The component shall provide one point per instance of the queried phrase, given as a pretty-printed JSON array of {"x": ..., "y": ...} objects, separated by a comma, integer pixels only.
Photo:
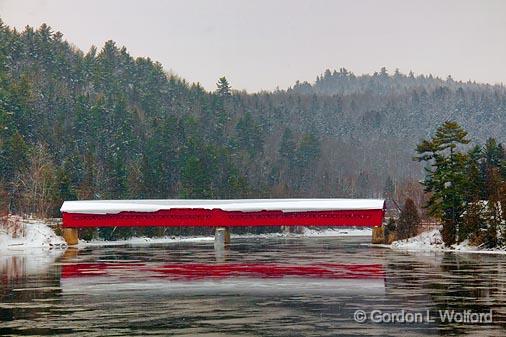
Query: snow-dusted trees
[
  {"x": 116, "y": 126},
  {"x": 466, "y": 189}
]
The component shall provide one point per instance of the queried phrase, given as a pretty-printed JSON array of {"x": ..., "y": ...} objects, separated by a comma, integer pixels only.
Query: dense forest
[{"x": 102, "y": 124}]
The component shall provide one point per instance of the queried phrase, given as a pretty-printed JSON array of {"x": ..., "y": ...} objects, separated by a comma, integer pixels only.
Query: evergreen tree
[
  {"x": 493, "y": 160},
  {"x": 472, "y": 219},
  {"x": 221, "y": 115},
  {"x": 249, "y": 135},
  {"x": 287, "y": 146},
  {"x": 390, "y": 231},
  {"x": 198, "y": 170},
  {"x": 493, "y": 211},
  {"x": 445, "y": 178},
  {"x": 409, "y": 221},
  {"x": 284, "y": 171},
  {"x": 473, "y": 223},
  {"x": 306, "y": 157},
  {"x": 493, "y": 153},
  {"x": 389, "y": 189},
  {"x": 87, "y": 187},
  {"x": 17, "y": 156},
  {"x": 475, "y": 190},
  {"x": 223, "y": 89}
]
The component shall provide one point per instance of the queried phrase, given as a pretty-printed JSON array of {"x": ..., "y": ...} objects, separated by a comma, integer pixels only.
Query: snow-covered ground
[
  {"x": 34, "y": 235},
  {"x": 312, "y": 232},
  {"x": 145, "y": 241},
  {"x": 426, "y": 241},
  {"x": 432, "y": 241}
]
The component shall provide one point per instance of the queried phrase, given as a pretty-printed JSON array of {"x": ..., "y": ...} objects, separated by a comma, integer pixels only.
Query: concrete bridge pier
[{"x": 221, "y": 237}]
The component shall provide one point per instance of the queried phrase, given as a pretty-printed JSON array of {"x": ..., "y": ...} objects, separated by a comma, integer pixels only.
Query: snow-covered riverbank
[
  {"x": 30, "y": 234},
  {"x": 135, "y": 241},
  {"x": 432, "y": 241},
  {"x": 353, "y": 231}
]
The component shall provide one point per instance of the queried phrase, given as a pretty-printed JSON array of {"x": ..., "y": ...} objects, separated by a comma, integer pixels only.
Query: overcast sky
[{"x": 264, "y": 44}]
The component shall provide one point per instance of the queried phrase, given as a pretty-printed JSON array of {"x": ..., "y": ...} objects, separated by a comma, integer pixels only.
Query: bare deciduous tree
[{"x": 38, "y": 184}]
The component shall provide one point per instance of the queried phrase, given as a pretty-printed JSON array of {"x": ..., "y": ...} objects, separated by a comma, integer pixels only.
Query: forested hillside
[{"x": 103, "y": 124}]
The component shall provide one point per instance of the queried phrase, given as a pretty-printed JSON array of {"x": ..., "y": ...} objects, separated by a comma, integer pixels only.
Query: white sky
[{"x": 263, "y": 44}]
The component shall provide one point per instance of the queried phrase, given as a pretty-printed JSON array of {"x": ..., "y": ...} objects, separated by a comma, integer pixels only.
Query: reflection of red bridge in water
[
  {"x": 223, "y": 278},
  {"x": 200, "y": 271}
]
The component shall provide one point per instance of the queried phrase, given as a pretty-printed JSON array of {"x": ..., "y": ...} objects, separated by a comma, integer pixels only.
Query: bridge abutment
[
  {"x": 71, "y": 236},
  {"x": 378, "y": 234}
]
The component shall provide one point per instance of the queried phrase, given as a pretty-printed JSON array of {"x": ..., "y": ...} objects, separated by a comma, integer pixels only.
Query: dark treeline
[{"x": 103, "y": 124}]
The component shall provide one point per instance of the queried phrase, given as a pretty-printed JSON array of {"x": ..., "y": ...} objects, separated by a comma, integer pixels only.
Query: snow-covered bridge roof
[{"x": 244, "y": 205}]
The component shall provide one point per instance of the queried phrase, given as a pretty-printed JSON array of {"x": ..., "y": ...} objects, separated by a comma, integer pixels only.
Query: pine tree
[
  {"x": 473, "y": 223},
  {"x": 493, "y": 212},
  {"x": 306, "y": 157},
  {"x": 475, "y": 189},
  {"x": 223, "y": 89},
  {"x": 493, "y": 153},
  {"x": 445, "y": 177},
  {"x": 87, "y": 187},
  {"x": 221, "y": 113},
  {"x": 389, "y": 189},
  {"x": 249, "y": 135},
  {"x": 287, "y": 147}
]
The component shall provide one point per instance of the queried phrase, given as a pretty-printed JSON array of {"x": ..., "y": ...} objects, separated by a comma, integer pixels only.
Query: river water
[{"x": 256, "y": 287}]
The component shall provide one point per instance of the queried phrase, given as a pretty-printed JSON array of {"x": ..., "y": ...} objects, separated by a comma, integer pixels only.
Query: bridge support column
[
  {"x": 71, "y": 236},
  {"x": 221, "y": 236}
]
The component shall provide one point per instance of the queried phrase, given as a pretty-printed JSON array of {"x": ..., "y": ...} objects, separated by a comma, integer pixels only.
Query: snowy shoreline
[
  {"x": 32, "y": 234},
  {"x": 431, "y": 241},
  {"x": 27, "y": 234}
]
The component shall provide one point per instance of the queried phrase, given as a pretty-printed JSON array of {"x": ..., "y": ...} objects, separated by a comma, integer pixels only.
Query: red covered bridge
[{"x": 220, "y": 213}]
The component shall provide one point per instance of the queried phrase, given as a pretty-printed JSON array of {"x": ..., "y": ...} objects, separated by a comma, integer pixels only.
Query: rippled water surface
[{"x": 257, "y": 287}]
